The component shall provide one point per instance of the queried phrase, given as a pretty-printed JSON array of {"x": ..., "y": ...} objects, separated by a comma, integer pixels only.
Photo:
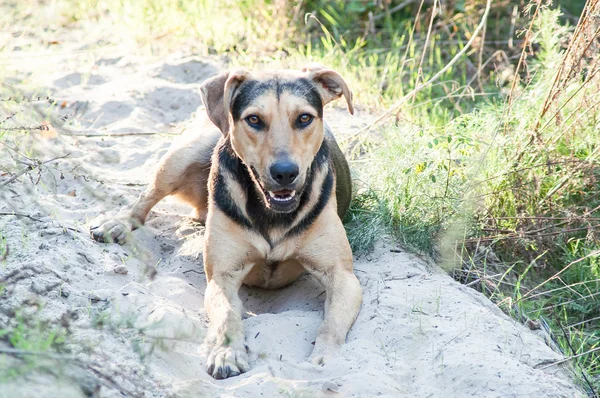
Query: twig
[
  {"x": 549, "y": 97},
  {"x": 20, "y": 215},
  {"x": 589, "y": 78},
  {"x": 40, "y": 127},
  {"x": 193, "y": 270},
  {"x": 482, "y": 279},
  {"x": 39, "y": 220},
  {"x": 31, "y": 168},
  {"x": 27, "y": 99},
  {"x": 80, "y": 134},
  {"x": 480, "y": 58},
  {"x": 541, "y": 218},
  {"x": 8, "y": 117},
  {"x": 530, "y": 234},
  {"x": 553, "y": 306}
]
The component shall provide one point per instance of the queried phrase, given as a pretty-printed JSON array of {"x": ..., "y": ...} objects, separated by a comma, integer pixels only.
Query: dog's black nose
[{"x": 284, "y": 172}]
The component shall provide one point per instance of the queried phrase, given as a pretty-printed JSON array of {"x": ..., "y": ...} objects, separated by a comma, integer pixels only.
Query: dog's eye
[
  {"x": 304, "y": 120},
  {"x": 253, "y": 121}
]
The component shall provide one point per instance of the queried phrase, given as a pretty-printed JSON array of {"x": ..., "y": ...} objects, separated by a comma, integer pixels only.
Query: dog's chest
[{"x": 276, "y": 248}]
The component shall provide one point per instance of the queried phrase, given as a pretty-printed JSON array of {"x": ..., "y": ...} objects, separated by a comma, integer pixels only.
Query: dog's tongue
[
  {"x": 283, "y": 192},
  {"x": 283, "y": 195}
]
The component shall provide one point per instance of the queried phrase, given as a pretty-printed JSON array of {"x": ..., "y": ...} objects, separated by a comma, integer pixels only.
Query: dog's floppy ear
[
  {"x": 331, "y": 85},
  {"x": 217, "y": 93}
]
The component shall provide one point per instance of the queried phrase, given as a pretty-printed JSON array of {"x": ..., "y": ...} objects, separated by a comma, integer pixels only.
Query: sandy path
[{"x": 419, "y": 333}]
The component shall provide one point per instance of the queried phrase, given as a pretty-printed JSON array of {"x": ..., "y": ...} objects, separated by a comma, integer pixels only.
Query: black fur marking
[
  {"x": 246, "y": 93},
  {"x": 250, "y": 90},
  {"x": 221, "y": 194},
  {"x": 303, "y": 88},
  {"x": 317, "y": 209},
  {"x": 260, "y": 218}
]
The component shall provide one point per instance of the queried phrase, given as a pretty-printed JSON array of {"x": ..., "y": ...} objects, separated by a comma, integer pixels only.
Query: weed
[{"x": 28, "y": 333}]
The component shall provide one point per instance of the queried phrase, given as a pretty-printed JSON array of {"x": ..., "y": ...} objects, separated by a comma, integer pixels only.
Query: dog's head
[{"x": 275, "y": 123}]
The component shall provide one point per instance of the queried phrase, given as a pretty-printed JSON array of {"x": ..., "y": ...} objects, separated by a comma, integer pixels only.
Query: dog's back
[{"x": 343, "y": 179}]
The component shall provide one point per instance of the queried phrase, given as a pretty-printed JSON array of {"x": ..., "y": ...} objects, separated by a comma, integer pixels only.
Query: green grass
[
  {"x": 516, "y": 182},
  {"x": 28, "y": 334}
]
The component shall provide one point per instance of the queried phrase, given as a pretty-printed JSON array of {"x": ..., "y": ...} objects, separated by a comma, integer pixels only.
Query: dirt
[{"x": 135, "y": 312}]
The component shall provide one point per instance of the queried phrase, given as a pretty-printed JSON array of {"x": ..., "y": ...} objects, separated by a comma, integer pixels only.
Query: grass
[
  {"x": 28, "y": 333},
  {"x": 493, "y": 169},
  {"x": 506, "y": 196}
]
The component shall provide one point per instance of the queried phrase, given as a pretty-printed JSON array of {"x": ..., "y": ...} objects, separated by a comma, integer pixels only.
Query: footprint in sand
[
  {"x": 75, "y": 79},
  {"x": 191, "y": 72},
  {"x": 175, "y": 103}
]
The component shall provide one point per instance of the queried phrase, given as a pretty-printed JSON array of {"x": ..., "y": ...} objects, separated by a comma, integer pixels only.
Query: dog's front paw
[
  {"x": 227, "y": 361},
  {"x": 320, "y": 359},
  {"x": 111, "y": 229},
  {"x": 321, "y": 355}
]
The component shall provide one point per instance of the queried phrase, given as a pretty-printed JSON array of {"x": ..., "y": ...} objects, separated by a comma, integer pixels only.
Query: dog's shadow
[{"x": 305, "y": 294}]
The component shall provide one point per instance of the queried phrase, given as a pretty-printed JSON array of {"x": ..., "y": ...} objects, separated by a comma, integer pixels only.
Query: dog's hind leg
[{"x": 182, "y": 171}]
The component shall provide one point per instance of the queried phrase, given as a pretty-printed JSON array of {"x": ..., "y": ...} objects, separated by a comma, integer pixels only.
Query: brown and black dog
[{"x": 272, "y": 187}]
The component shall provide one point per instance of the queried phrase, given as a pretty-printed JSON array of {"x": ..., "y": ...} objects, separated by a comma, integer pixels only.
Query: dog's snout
[{"x": 284, "y": 172}]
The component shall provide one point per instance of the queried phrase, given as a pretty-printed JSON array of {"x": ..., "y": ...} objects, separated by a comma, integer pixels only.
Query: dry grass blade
[
  {"x": 526, "y": 43},
  {"x": 570, "y": 358},
  {"x": 584, "y": 322},
  {"x": 427, "y": 38},
  {"x": 556, "y": 275},
  {"x": 559, "y": 78}
]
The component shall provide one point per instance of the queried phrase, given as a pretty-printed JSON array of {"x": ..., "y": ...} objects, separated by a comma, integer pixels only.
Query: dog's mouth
[
  {"x": 278, "y": 200},
  {"x": 282, "y": 200},
  {"x": 282, "y": 196}
]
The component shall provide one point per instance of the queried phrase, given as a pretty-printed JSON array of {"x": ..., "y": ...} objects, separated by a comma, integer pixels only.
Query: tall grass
[{"x": 507, "y": 195}]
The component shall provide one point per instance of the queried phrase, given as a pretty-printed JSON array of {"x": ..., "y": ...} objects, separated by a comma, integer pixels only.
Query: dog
[{"x": 272, "y": 186}]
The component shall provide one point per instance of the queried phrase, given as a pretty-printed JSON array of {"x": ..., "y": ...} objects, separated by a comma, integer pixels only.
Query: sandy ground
[{"x": 419, "y": 333}]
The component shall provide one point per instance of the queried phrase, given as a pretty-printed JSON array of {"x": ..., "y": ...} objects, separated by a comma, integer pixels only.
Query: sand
[{"x": 419, "y": 333}]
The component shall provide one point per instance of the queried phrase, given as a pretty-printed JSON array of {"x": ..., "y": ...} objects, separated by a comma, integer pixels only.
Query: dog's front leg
[
  {"x": 227, "y": 263},
  {"x": 327, "y": 256},
  {"x": 225, "y": 341},
  {"x": 344, "y": 297}
]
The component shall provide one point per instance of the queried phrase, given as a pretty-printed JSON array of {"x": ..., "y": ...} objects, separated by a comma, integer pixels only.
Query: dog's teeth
[{"x": 280, "y": 198}]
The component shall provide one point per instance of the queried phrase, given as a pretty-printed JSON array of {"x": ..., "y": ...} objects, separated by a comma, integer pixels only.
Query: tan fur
[
  {"x": 261, "y": 150},
  {"x": 234, "y": 254}
]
